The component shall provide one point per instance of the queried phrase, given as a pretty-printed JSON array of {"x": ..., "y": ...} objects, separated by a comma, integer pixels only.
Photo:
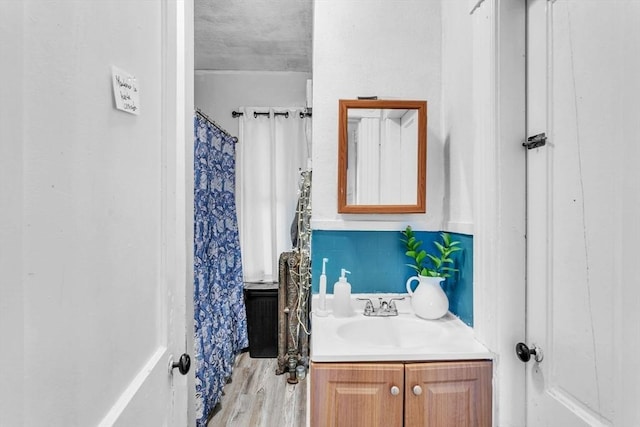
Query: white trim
[
  {"x": 177, "y": 223},
  {"x": 367, "y": 225},
  {"x": 186, "y": 86},
  {"x": 381, "y": 223},
  {"x": 13, "y": 258},
  {"x": 133, "y": 389},
  {"x": 459, "y": 227},
  {"x": 387, "y": 225},
  {"x": 499, "y": 193}
]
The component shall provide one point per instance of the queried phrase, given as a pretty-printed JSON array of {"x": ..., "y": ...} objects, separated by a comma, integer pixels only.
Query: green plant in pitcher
[{"x": 430, "y": 265}]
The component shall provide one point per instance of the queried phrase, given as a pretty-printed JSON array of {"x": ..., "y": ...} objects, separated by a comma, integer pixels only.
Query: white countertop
[{"x": 405, "y": 337}]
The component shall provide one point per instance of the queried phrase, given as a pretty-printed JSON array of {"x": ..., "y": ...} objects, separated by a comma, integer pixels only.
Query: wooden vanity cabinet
[
  {"x": 428, "y": 394},
  {"x": 357, "y": 394},
  {"x": 448, "y": 394}
]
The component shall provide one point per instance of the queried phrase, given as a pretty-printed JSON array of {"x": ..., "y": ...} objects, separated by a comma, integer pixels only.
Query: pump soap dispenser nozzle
[
  {"x": 322, "y": 297},
  {"x": 342, "y": 296}
]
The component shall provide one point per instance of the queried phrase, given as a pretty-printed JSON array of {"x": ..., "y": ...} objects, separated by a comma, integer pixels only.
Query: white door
[
  {"x": 583, "y": 213},
  {"x": 93, "y": 219},
  {"x": 157, "y": 392}
]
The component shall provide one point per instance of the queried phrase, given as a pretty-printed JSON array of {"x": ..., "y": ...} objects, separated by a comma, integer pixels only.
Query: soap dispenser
[
  {"x": 322, "y": 296},
  {"x": 342, "y": 296}
]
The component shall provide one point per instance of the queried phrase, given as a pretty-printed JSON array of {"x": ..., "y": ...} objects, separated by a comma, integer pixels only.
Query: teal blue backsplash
[{"x": 377, "y": 263}]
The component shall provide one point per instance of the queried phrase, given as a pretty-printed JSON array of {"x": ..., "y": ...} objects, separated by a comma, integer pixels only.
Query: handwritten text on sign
[{"x": 125, "y": 91}]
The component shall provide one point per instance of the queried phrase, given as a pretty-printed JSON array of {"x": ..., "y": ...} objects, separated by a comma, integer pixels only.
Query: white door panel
[
  {"x": 576, "y": 51},
  {"x": 95, "y": 202}
]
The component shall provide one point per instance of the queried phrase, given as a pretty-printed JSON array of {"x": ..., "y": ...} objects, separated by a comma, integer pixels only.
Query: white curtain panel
[
  {"x": 272, "y": 151},
  {"x": 368, "y": 163}
]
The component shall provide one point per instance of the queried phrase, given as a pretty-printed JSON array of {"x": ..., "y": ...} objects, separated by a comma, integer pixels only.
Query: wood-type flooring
[{"x": 257, "y": 397}]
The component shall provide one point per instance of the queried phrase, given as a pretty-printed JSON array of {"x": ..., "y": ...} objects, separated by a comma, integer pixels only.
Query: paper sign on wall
[{"x": 125, "y": 91}]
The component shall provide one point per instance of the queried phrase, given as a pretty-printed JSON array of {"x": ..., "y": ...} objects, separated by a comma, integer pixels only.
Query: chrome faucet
[{"x": 384, "y": 309}]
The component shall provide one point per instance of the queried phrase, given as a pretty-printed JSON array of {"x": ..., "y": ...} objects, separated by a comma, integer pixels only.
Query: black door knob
[
  {"x": 183, "y": 364},
  {"x": 524, "y": 353}
]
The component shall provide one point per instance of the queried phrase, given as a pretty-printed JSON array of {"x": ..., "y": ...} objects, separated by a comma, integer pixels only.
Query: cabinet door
[
  {"x": 448, "y": 394},
  {"x": 356, "y": 394}
]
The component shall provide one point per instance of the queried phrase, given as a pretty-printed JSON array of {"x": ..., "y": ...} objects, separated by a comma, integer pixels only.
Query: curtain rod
[
  {"x": 217, "y": 126},
  {"x": 303, "y": 114}
]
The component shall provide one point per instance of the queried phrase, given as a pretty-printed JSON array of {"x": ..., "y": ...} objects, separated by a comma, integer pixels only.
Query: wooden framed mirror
[{"x": 382, "y": 156}]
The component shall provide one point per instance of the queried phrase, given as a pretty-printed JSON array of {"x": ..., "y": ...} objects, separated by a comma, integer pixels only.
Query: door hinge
[{"x": 535, "y": 141}]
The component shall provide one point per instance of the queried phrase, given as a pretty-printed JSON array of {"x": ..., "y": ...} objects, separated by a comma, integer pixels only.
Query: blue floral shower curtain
[{"x": 219, "y": 310}]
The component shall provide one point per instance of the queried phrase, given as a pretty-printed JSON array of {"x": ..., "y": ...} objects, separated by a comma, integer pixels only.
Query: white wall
[
  {"x": 381, "y": 49},
  {"x": 218, "y": 93},
  {"x": 82, "y": 175},
  {"x": 459, "y": 137}
]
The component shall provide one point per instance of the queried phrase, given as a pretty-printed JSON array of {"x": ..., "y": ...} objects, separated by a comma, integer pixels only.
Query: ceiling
[{"x": 253, "y": 35}]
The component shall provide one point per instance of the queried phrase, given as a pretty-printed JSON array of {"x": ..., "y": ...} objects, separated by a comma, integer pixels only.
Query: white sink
[
  {"x": 398, "y": 332},
  {"x": 405, "y": 337}
]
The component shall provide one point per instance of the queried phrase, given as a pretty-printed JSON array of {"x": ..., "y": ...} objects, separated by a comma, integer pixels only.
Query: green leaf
[
  {"x": 417, "y": 269},
  {"x": 436, "y": 261},
  {"x": 408, "y": 231},
  {"x": 420, "y": 257},
  {"x": 426, "y": 272},
  {"x": 440, "y": 247}
]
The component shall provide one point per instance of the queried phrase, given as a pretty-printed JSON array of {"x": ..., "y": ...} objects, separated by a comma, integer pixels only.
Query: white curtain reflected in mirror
[{"x": 382, "y": 147}]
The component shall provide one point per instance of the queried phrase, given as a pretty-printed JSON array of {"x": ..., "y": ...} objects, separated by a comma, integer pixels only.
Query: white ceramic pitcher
[{"x": 428, "y": 300}]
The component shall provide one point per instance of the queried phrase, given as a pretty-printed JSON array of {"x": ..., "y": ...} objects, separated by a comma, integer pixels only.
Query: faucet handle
[
  {"x": 368, "y": 308},
  {"x": 392, "y": 303}
]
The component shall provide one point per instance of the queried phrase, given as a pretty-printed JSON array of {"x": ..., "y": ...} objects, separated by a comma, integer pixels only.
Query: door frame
[
  {"x": 178, "y": 115},
  {"x": 11, "y": 219},
  {"x": 177, "y": 134},
  {"x": 499, "y": 100}
]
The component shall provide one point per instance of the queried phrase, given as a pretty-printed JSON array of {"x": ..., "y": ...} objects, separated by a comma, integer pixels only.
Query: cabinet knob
[
  {"x": 395, "y": 390},
  {"x": 417, "y": 390}
]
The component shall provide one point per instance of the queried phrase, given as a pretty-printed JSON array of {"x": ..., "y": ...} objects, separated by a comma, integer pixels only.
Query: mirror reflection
[
  {"x": 382, "y": 161},
  {"x": 381, "y": 151}
]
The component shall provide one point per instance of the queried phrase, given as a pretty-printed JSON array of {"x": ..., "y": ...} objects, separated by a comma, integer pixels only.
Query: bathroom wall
[
  {"x": 423, "y": 51},
  {"x": 381, "y": 49},
  {"x": 218, "y": 93},
  {"x": 457, "y": 116},
  {"x": 377, "y": 264}
]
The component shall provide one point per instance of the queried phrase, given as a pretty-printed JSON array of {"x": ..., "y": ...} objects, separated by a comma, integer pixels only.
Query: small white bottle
[
  {"x": 322, "y": 296},
  {"x": 342, "y": 296}
]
